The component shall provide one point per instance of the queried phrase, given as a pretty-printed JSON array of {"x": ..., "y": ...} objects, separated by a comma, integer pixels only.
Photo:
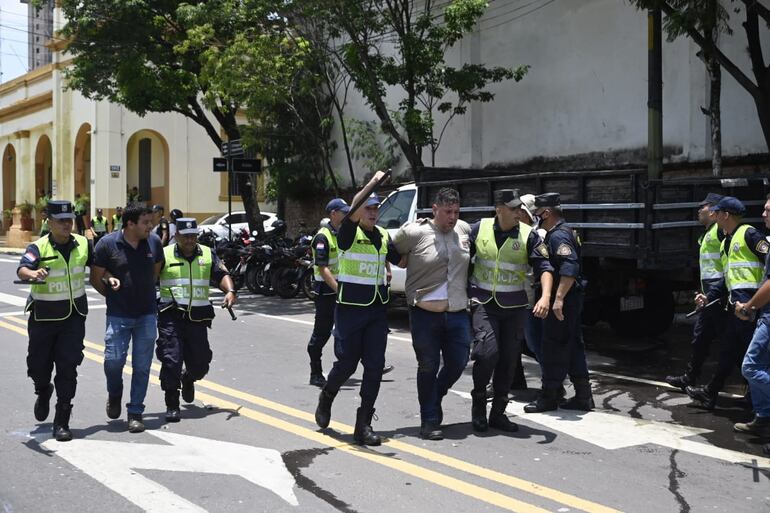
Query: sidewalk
[{"x": 9, "y": 251}]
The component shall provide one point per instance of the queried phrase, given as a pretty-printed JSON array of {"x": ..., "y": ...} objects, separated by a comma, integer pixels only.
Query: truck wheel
[{"x": 652, "y": 320}]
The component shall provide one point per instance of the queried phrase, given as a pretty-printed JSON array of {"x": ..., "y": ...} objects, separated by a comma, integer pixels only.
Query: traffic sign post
[{"x": 233, "y": 161}]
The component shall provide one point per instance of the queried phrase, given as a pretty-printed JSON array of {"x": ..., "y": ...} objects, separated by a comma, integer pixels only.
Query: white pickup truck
[{"x": 398, "y": 208}]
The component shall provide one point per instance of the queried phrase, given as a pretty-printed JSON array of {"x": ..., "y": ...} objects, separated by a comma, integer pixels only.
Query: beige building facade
[{"x": 55, "y": 142}]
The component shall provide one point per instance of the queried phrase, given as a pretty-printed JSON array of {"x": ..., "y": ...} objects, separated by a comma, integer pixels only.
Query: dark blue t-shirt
[{"x": 135, "y": 270}]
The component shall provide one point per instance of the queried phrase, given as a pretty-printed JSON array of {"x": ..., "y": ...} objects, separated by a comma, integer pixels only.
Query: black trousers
[
  {"x": 58, "y": 343},
  {"x": 322, "y": 326},
  {"x": 360, "y": 335},
  {"x": 563, "y": 352},
  {"x": 709, "y": 325},
  {"x": 735, "y": 341},
  {"x": 498, "y": 334},
  {"x": 181, "y": 342}
]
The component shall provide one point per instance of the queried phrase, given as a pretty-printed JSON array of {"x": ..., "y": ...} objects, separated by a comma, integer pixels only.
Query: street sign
[
  {"x": 220, "y": 165},
  {"x": 115, "y": 465},
  {"x": 232, "y": 148},
  {"x": 247, "y": 166}
]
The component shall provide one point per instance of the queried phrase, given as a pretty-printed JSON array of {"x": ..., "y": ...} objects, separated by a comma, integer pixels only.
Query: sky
[{"x": 13, "y": 39}]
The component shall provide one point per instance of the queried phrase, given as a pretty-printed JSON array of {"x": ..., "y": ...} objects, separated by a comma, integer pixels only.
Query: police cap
[
  {"x": 373, "y": 200},
  {"x": 60, "y": 209},
  {"x": 730, "y": 205},
  {"x": 186, "y": 226},
  {"x": 549, "y": 199},
  {"x": 711, "y": 198},
  {"x": 338, "y": 204},
  {"x": 508, "y": 197}
]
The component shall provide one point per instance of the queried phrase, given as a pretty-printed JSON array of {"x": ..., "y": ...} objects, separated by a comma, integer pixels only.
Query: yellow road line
[{"x": 455, "y": 463}]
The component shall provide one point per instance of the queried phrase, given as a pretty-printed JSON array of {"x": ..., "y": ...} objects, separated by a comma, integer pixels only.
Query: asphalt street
[{"x": 249, "y": 443}]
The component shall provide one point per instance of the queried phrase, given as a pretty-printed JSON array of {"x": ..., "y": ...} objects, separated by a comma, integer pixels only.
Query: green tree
[
  {"x": 702, "y": 21},
  {"x": 402, "y": 44},
  {"x": 202, "y": 59}
]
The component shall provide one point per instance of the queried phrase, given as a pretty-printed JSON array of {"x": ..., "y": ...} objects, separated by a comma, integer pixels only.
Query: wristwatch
[{"x": 233, "y": 291}]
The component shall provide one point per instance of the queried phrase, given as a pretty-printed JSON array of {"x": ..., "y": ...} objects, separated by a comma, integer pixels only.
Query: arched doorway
[
  {"x": 43, "y": 167},
  {"x": 83, "y": 160},
  {"x": 147, "y": 159}
]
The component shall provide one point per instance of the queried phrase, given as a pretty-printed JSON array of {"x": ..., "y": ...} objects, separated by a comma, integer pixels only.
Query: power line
[{"x": 547, "y": 3}]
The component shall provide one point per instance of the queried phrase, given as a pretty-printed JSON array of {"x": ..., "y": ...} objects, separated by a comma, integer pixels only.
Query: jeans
[
  {"x": 141, "y": 331},
  {"x": 756, "y": 369},
  {"x": 437, "y": 335}
]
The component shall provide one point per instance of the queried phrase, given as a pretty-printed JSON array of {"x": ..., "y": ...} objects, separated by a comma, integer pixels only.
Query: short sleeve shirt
[{"x": 135, "y": 270}]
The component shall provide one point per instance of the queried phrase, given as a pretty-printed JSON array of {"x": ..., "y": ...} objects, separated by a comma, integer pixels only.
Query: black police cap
[
  {"x": 549, "y": 199},
  {"x": 60, "y": 209},
  {"x": 711, "y": 198}
]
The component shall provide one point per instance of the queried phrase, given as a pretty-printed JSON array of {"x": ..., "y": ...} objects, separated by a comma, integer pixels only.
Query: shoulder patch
[
  {"x": 543, "y": 250},
  {"x": 763, "y": 246},
  {"x": 564, "y": 249}
]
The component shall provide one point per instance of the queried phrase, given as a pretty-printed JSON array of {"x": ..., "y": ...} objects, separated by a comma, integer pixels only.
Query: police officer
[
  {"x": 174, "y": 214},
  {"x": 503, "y": 249},
  {"x": 709, "y": 321},
  {"x": 160, "y": 223},
  {"x": 185, "y": 313},
  {"x": 562, "y": 350},
  {"x": 44, "y": 229},
  {"x": 58, "y": 310},
  {"x": 361, "y": 324},
  {"x": 325, "y": 271},
  {"x": 117, "y": 219},
  {"x": 98, "y": 226},
  {"x": 743, "y": 252}
]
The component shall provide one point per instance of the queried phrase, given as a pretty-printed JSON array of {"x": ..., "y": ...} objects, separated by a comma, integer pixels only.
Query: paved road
[{"x": 248, "y": 443}]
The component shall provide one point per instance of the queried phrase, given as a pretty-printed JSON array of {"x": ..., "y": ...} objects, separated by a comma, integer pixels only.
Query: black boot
[
  {"x": 680, "y": 382},
  {"x": 43, "y": 402},
  {"x": 173, "y": 413},
  {"x": 61, "y": 423},
  {"x": 188, "y": 388},
  {"x": 497, "y": 417},
  {"x": 479, "y": 410},
  {"x": 548, "y": 401},
  {"x": 583, "y": 399},
  {"x": 363, "y": 433},
  {"x": 323, "y": 412},
  {"x": 113, "y": 405},
  {"x": 703, "y": 395},
  {"x": 317, "y": 378}
]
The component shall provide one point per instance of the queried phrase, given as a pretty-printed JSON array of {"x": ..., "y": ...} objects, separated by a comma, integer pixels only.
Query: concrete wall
[{"x": 586, "y": 92}]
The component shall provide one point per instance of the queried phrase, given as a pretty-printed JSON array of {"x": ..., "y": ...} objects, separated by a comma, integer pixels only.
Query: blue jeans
[
  {"x": 756, "y": 369},
  {"x": 436, "y": 335},
  {"x": 141, "y": 331}
]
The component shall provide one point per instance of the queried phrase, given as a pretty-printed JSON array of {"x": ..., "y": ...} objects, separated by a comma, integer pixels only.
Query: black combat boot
[
  {"x": 323, "y": 412},
  {"x": 61, "y": 423},
  {"x": 479, "y": 410},
  {"x": 680, "y": 382},
  {"x": 497, "y": 417},
  {"x": 43, "y": 402},
  {"x": 188, "y": 388},
  {"x": 703, "y": 395},
  {"x": 363, "y": 433},
  {"x": 317, "y": 378},
  {"x": 547, "y": 401},
  {"x": 135, "y": 423},
  {"x": 583, "y": 399},
  {"x": 173, "y": 413}
]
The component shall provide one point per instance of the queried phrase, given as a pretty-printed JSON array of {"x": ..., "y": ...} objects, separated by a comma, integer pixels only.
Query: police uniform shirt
[
  {"x": 563, "y": 250},
  {"x": 536, "y": 249},
  {"x": 218, "y": 268},
  {"x": 758, "y": 245},
  {"x": 347, "y": 234},
  {"x": 31, "y": 257},
  {"x": 320, "y": 246}
]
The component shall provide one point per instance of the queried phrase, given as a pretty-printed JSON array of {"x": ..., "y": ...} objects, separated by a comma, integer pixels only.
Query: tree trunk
[
  {"x": 345, "y": 143},
  {"x": 715, "y": 115}
]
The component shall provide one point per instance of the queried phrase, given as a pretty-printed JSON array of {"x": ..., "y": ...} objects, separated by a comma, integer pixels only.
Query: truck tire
[{"x": 655, "y": 318}]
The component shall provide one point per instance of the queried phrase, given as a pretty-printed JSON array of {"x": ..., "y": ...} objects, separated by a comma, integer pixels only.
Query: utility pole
[{"x": 654, "y": 95}]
